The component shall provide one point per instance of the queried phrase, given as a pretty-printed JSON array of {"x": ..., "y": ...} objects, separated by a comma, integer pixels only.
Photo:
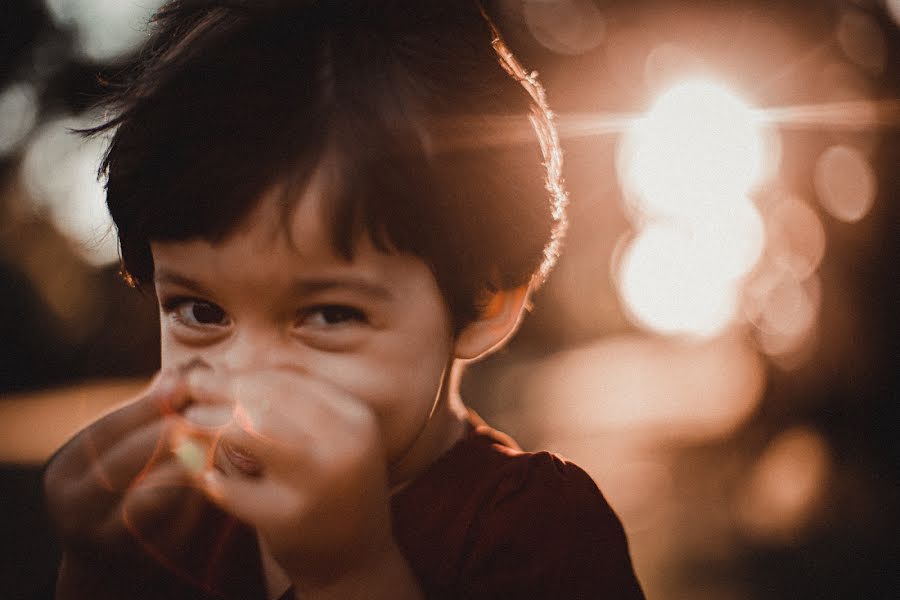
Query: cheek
[
  {"x": 400, "y": 386},
  {"x": 168, "y": 349},
  {"x": 389, "y": 382},
  {"x": 172, "y": 353}
]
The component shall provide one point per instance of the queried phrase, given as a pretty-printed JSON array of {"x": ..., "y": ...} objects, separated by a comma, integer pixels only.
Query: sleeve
[{"x": 548, "y": 532}]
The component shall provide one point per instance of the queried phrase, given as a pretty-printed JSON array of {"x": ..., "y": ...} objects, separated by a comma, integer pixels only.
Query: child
[{"x": 338, "y": 205}]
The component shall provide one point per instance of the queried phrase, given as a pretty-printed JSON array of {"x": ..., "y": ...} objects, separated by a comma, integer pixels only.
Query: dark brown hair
[{"x": 430, "y": 140}]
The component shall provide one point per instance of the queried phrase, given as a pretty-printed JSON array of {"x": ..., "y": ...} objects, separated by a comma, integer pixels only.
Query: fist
[
  {"x": 127, "y": 511},
  {"x": 301, "y": 461}
]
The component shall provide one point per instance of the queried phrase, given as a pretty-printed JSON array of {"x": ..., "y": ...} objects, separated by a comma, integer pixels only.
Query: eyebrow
[
  {"x": 298, "y": 287},
  {"x": 170, "y": 277},
  {"x": 305, "y": 287}
]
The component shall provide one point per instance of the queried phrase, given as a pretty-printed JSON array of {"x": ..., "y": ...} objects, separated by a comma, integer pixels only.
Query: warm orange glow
[
  {"x": 845, "y": 182},
  {"x": 784, "y": 308},
  {"x": 34, "y": 425},
  {"x": 667, "y": 63},
  {"x": 645, "y": 387},
  {"x": 796, "y": 237},
  {"x": 785, "y": 484},
  {"x": 847, "y": 114}
]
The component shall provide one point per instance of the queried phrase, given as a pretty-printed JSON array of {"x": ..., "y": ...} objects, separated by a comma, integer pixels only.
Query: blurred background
[{"x": 718, "y": 346}]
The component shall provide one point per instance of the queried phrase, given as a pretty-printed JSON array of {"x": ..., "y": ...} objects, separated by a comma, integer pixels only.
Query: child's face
[{"x": 377, "y": 327}]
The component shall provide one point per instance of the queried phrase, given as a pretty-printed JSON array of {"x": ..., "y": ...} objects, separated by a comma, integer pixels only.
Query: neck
[{"x": 445, "y": 426}]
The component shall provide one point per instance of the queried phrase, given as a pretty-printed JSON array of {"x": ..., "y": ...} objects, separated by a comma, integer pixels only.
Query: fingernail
[{"x": 206, "y": 415}]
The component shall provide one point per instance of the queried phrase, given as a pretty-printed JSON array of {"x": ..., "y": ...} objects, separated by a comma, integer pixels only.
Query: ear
[{"x": 497, "y": 322}]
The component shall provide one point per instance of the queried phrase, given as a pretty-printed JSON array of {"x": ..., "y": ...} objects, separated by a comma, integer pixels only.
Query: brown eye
[
  {"x": 206, "y": 313},
  {"x": 332, "y": 315},
  {"x": 196, "y": 313}
]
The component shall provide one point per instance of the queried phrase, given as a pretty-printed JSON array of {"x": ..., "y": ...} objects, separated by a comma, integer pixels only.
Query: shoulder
[{"x": 511, "y": 521}]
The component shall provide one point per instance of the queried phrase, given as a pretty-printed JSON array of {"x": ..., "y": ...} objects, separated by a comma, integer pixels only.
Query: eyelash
[
  {"x": 350, "y": 314},
  {"x": 173, "y": 305}
]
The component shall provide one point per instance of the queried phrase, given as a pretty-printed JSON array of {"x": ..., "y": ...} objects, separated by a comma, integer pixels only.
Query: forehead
[{"x": 274, "y": 248}]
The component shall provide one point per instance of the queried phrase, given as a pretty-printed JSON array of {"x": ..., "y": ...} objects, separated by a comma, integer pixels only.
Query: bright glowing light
[
  {"x": 785, "y": 484},
  {"x": 104, "y": 29},
  {"x": 845, "y": 182},
  {"x": 665, "y": 282},
  {"x": 60, "y": 172},
  {"x": 687, "y": 168},
  {"x": 727, "y": 243},
  {"x": 18, "y": 113},
  {"x": 699, "y": 145}
]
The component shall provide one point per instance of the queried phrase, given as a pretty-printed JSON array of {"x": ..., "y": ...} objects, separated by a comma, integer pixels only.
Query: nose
[{"x": 247, "y": 348}]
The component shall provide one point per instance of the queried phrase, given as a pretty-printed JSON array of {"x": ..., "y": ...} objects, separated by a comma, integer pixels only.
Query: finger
[
  {"x": 165, "y": 395},
  {"x": 305, "y": 423},
  {"x": 242, "y": 453},
  {"x": 208, "y": 416},
  {"x": 259, "y": 501},
  {"x": 136, "y": 452},
  {"x": 83, "y": 451},
  {"x": 118, "y": 466},
  {"x": 206, "y": 387},
  {"x": 87, "y": 499},
  {"x": 162, "y": 505},
  {"x": 280, "y": 401}
]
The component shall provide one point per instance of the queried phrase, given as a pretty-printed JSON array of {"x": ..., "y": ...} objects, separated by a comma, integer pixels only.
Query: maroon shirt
[
  {"x": 490, "y": 521},
  {"x": 486, "y": 520}
]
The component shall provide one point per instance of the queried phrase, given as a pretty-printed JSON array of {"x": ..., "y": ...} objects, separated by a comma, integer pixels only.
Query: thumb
[{"x": 257, "y": 501}]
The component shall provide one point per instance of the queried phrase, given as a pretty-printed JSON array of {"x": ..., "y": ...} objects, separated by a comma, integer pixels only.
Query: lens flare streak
[{"x": 852, "y": 115}]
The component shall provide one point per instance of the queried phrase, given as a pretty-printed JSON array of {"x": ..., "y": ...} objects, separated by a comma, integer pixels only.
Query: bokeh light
[
  {"x": 699, "y": 391},
  {"x": 105, "y": 30},
  {"x": 698, "y": 145},
  {"x": 784, "y": 309},
  {"x": 795, "y": 236},
  {"x": 785, "y": 485},
  {"x": 667, "y": 289},
  {"x": 845, "y": 183},
  {"x": 686, "y": 169},
  {"x": 18, "y": 114},
  {"x": 565, "y": 26},
  {"x": 59, "y": 171},
  {"x": 862, "y": 40}
]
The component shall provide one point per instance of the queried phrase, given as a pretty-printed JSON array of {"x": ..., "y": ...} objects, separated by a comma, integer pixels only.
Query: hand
[
  {"x": 303, "y": 463},
  {"x": 117, "y": 493}
]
